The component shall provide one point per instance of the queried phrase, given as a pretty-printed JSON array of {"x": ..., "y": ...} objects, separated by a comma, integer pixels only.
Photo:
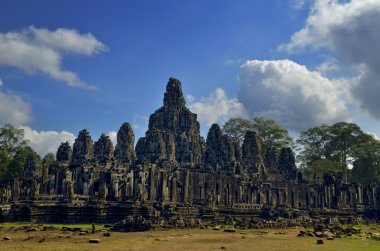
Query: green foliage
[
  {"x": 319, "y": 167},
  {"x": 16, "y": 167},
  {"x": 236, "y": 128},
  {"x": 338, "y": 144},
  {"x": 366, "y": 165},
  {"x": 270, "y": 132},
  {"x": 5, "y": 160},
  {"x": 313, "y": 145},
  {"x": 13, "y": 152},
  {"x": 11, "y": 139},
  {"x": 48, "y": 159}
]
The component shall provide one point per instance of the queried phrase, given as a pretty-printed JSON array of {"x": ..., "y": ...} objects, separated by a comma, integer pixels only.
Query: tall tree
[
  {"x": 335, "y": 143},
  {"x": 269, "y": 131},
  {"x": 319, "y": 167},
  {"x": 48, "y": 158},
  {"x": 11, "y": 139},
  {"x": 5, "y": 160},
  {"x": 366, "y": 164},
  {"x": 236, "y": 128},
  {"x": 14, "y": 153},
  {"x": 314, "y": 144},
  {"x": 344, "y": 138},
  {"x": 16, "y": 166}
]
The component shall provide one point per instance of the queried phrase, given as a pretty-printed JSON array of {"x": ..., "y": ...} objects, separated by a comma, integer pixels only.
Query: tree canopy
[
  {"x": 236, "y": 128},
  {"x": 269, "y": 131},
  {"x": 14, "y": 152},
  {"x": 11, "y": 139},
  {"x": 48, "y": 158},
  {"x": 337, "y": 146}
]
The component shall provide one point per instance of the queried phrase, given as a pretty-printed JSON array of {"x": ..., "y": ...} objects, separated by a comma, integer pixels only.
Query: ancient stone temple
[{"x": 173, "y": 175}]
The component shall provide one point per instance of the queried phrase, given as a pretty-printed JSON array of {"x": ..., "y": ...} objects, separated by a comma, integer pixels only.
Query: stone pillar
[
  {"x": 373, "y": 195},
  {"x": 360, "y": 194},
  {"x": 174, "y": 189}
]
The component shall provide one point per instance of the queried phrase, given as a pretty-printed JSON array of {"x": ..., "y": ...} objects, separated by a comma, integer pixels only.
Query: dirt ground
[{"x": 190, "y": 239}]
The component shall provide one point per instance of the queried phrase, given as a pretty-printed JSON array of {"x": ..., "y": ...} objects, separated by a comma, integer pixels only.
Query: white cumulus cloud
[
  {"x": 217, "y": 108},
  {"x": 44, "y": 142},
  {"x": 40, "y": 50},
  {"x": 350, "y": 29},
  {"x": 291, "y": 94},
  {"x": 14, "y": 110}
]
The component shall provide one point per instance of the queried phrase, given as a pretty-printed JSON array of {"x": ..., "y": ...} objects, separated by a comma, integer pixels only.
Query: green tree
[
  {"x": 16, "y": 166},
  {"x": 366, "y": 165},
  {"x": 314, "y": 144},
  {"x": 236, "y": 128},
  {"x": 5, "y": 160},
  {"x": 344, "y": 139},
  {"x": 269, "y": 131},
  {"x": 336, "y": 143},
  {"x": 319, "y": 167},
  {"x": 48, "y": 159},
  {"x": 11, "y": 139}
]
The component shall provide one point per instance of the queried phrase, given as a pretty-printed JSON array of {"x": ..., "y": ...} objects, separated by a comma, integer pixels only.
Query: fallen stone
[
  {"x": 330, "y": 238},
  {"x": 30, "y": 237},
  {"x": 281, "y": 232},
  {"x": 49, "y": 228},
  {"x": 310, "y": 234},
  {"x": 42, "y": 240},
  {"x": 328, "y": 234},
  {"x": 94, "y": 241},
  {"x": 7, "y": 238},
  {"x": 107, "y": 234},
  {"x": 82, "y": 233},
  {"x": 229, "y": 230},
  {"x": 319, "y": 234},
  {"x": 320, "y": 242},
  {"x": 33, "y": 229}
]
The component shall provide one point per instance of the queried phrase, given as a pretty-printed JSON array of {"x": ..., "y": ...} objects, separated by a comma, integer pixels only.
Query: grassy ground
[{"x": 195, "y": 239}]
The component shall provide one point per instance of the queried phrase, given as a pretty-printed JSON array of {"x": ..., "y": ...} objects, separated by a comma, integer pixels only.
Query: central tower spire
[{"x": 173, "y": 96}]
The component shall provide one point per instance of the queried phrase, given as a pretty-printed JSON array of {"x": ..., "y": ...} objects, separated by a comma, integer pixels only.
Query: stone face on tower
[
  {"x": 83, "y": 148},
  {"x": 173, "y": 132},
  {"x": 287, "y": 163},
  {"x": 32, "y": 167},
  {"x": 271, "y": 159},
  {"x": 173, "y": 97},
  {"x": 64, "y": 153},
  {"x": 124, "y": 150},
  {"x": 252, "y": 157},
  {"x": 221, "y": 151},
  {"x": 103, "y": 149}
]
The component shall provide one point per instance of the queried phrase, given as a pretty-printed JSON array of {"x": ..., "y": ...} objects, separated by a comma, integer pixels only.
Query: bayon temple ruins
[{"x": 174, "y": 177}]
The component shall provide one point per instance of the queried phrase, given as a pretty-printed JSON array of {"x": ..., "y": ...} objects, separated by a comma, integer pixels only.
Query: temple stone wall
[{"x": 173, "y": 165}]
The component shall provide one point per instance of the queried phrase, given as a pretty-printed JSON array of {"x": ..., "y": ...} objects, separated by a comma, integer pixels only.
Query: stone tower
[
  {"x": 83, "y": 148},
  {"x": 173, "y": 132},
  {"x": 125, "y": 149}
]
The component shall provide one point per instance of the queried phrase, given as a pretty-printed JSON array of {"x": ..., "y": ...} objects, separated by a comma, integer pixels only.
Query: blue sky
[{"x": 69, "y": 65}]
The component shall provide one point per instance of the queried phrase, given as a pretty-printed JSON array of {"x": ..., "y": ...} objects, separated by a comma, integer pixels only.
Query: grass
[
  {"x": 189, "y": 239},
  {"x": 57, "y": 225}
]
